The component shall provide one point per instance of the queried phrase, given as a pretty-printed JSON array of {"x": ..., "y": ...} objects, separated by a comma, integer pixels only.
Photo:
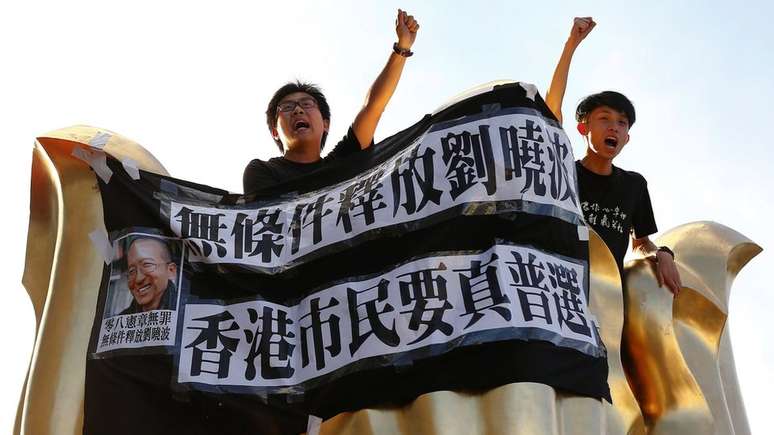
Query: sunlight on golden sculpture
[{"x": 678, "y": 351}]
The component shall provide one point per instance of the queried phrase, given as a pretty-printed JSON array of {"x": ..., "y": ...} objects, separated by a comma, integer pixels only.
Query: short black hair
[
  {"x": 292, "y": 87},
  {"x": 166, "y": 252},
  {"x": 614, "y": 100}
]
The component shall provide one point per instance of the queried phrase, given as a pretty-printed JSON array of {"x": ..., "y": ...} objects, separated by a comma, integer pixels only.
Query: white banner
[
  {"x": 512, "y": 160},
  {"x": 507, "y": 292}
]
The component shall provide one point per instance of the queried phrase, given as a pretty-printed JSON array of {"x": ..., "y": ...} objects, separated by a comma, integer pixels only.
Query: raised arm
[
  {"x": 581, "y": 27},
  {"x": 381, "y": 91}
]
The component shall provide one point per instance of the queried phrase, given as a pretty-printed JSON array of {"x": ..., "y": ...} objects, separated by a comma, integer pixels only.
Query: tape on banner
[
  {"x": 100, "y": 140},
  {"x": 130, "y": 166},
  {"x": 530, "y": 89},
  {"x": 593, "y": 319},
  {"x": 100, "y": 241},
  {"x": 168, "y": 186},
  {"x": 97, "y": 160},
  {"x": 313, "y": 426},
  {"x": 583, "y": 232},
  {"x": 490, "y": 108}
]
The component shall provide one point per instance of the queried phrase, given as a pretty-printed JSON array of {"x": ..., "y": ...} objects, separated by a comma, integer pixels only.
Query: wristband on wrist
[
  {"x": 667, "y": 250},
  {"x": 405, "y": 52}
]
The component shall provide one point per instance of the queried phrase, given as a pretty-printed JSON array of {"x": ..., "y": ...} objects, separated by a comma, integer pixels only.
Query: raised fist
[
  {"x": 581, "y": 27},
  {"x": 406, "y": 28}
]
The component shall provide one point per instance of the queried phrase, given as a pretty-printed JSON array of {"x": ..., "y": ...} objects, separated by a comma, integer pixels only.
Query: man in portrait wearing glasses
[
  {"x": 150, "y": 276},
  {"x": 298, "y": 117}
]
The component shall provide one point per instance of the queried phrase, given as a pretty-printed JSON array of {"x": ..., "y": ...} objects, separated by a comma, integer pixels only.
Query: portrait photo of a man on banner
[{"x": 142, "y": 297}]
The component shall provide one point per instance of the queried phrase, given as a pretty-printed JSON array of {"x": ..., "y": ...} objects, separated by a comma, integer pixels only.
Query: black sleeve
[
  {"x": 347, "y": 146},
  {"x": 643, "y": 222},
  {"x": 257, "y": 175}
]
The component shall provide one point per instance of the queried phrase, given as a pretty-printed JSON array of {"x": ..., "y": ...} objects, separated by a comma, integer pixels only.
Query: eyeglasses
[
  {"x": 146, "y": 267},
  {"x": 289, "y": 106}
]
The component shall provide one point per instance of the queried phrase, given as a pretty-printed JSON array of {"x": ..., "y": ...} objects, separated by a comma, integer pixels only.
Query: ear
[
  {"x": 274, "y": 133},
  {"x": 627, "y": 139},
  {"x": 326, "y": 124},
  {"x": 583, "y": 128}
]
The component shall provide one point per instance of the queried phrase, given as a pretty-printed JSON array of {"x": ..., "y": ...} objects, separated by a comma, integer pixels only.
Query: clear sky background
[{"x": 189, "y": 81}]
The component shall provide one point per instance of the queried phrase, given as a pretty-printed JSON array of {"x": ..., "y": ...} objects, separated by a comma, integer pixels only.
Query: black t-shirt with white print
[{"x": 616, "y": 205}]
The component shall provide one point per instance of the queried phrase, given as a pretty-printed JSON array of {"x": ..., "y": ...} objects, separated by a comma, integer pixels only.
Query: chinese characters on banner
[
  {"x": 512, "y": 156},
  {"x": 153, "y": 328},
  {"x": 520, "y": 293}
]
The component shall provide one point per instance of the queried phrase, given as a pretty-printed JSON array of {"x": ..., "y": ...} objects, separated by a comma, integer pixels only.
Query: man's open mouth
[
  {"x": 144, "y": 289},
  {"x": 300, "y": 124},
  {"x": 611, "y": 142}
]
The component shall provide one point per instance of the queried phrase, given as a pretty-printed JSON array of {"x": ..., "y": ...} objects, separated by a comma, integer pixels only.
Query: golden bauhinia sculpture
[{"x": 675, "y": 373}]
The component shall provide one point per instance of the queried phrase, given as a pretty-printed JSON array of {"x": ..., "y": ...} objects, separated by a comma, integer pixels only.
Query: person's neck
[
  {"x": 597, "y": 165},
  {"x": 303, "y": 154}
]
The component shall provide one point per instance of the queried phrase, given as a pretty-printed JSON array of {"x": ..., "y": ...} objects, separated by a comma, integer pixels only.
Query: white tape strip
[
  {"x": 593, "y": 319},
  {"x": 313, "y": 426},
  {"x": 100, "y": 140},
  {"x": 100, "y": 241},
  {"x": 583, "y": 232},
  {"x": 530, "y": 89},
  {"x": 130, "y": 166},
  {"x": 97, "y": 161}
]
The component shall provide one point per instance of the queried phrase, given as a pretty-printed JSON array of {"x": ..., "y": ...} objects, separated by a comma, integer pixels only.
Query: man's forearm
[
  {"x": 381, "y": 91},
  {"x": 581, "y": 27},
  {"x": 666, "y": 269},
  {"x": 377, "y": 98},
  {"x": 644, "y": 247},
  {"x": 555, "y": 95}
]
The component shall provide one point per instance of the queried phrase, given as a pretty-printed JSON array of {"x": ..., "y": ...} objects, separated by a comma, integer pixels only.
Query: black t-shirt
[
  {"x": 616, "y": 205},
  {"x": 261, "y": 174}
]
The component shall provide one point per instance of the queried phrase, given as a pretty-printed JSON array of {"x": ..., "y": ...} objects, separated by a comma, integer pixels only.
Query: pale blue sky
[{"x": 189, "y": 81}]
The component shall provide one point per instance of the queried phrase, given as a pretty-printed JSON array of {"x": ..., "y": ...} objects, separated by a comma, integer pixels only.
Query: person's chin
[
  {"x": 305, "y": 142},
  {"x": 308, "y": 136},
  {"x": 607, "y": 154},
  {"x": 149, "y": 306}
]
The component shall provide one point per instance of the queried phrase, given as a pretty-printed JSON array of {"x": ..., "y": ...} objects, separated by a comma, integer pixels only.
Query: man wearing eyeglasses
[
  {"x": 151, "y": 276},
  {"x": 298, "y": 117}
]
